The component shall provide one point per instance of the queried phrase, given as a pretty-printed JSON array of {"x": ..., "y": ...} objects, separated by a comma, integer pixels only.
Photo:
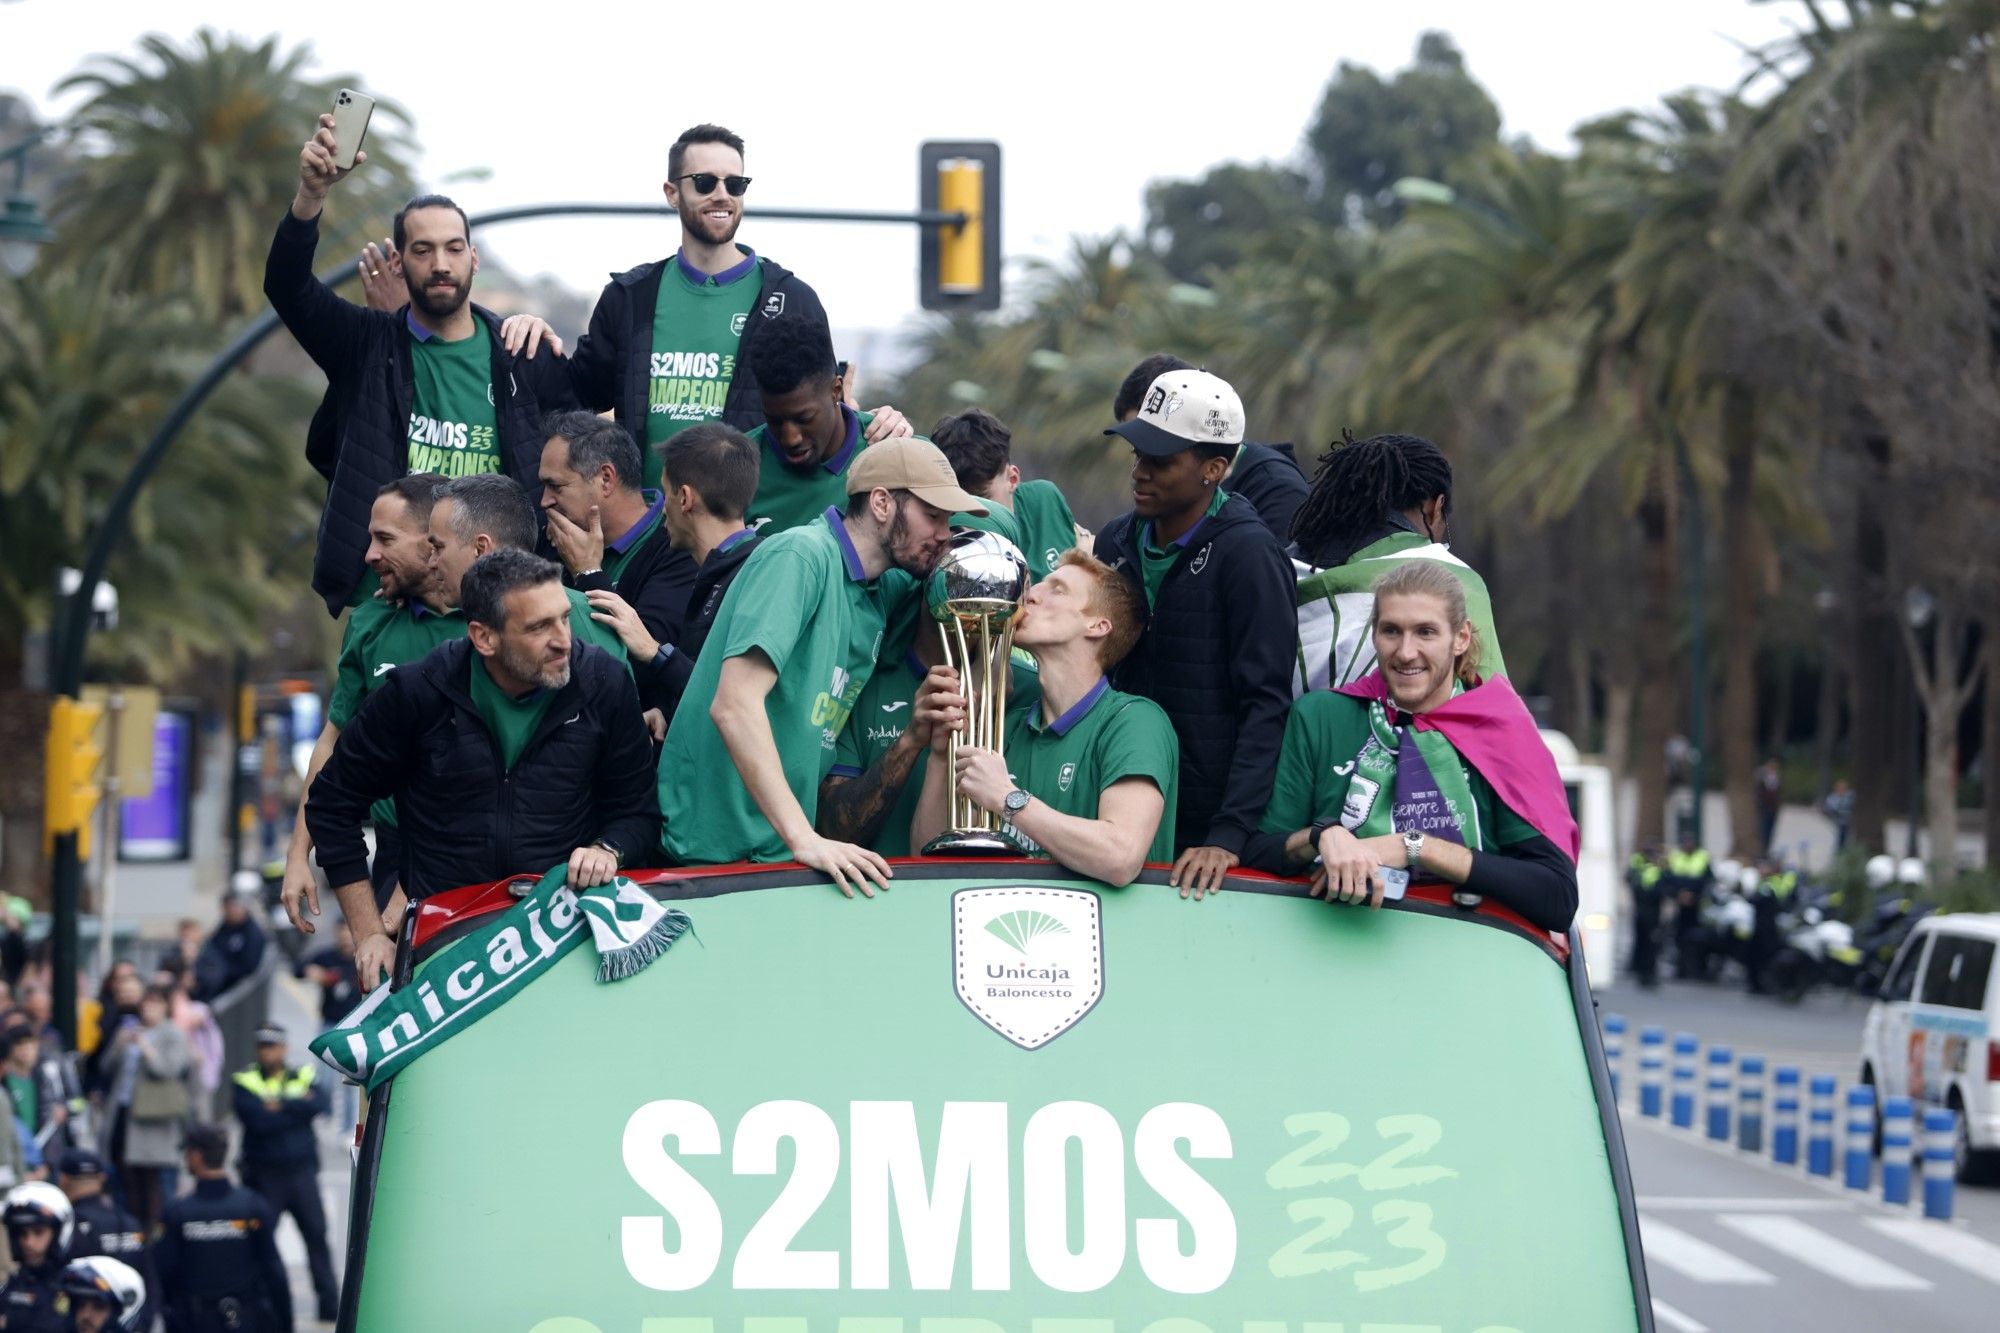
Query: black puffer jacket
[
  {"x": 610, "y": 364},
  {"x": 585, "y": 776},
  {"x": 1217, "y": 655},
  {"x": 359, "y": 438}
]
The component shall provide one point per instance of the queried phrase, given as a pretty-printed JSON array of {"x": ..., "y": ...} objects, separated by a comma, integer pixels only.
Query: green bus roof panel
[{"x": 1254, "y": 1112}]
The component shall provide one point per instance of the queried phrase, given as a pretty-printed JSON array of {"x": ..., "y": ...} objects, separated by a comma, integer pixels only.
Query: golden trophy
[{"x": 973, "y": 595}]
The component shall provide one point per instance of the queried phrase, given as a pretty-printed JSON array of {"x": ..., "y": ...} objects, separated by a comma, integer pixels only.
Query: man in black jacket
[
  {"x": 1221, "y": 639},
  {"x": 217, "y": 1251},
  {"x": 1267, "y": 475},
  {"x": 506, "y": 751},
  {"x": 102, "y": 1227},
  {"x": 431, "y": 387},
  {"x": 708, "y": 475},
  {"x": 610, "y": 535},
  {"x": 276, "y": 1104}
]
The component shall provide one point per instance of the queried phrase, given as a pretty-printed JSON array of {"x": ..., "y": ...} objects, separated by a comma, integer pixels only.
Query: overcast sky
[{"x": 579, "y": 101}]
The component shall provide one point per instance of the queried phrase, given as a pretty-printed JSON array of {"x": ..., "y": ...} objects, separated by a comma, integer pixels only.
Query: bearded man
[{"x": 516, "y": 746}]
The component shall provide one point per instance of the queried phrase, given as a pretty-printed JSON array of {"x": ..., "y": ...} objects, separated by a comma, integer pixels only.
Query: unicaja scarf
[
  {"x": 477, "y": 974},
  {"x": 1489, "y": 728}
]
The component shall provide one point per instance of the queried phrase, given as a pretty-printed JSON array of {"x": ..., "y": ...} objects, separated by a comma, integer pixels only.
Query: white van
[
  {"x": 1599, "y": 880},
  {"x": 1933, "y": 1033}
]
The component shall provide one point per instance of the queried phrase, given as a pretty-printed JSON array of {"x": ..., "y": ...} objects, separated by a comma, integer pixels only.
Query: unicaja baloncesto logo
[{"x": 1028, "y": 962}]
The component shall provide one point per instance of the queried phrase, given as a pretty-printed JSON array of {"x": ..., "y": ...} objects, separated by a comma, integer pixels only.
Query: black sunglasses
[{"x": 704, "y": 181}]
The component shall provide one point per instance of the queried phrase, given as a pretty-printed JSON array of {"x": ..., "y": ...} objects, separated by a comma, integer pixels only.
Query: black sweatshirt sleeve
[
  {"x": 595, "y": 361},
  {"x": 1534, "y": 878},
  {"x": 330, "y": 329},
  {"x": 375, "y": 749},
  {"x": 1263, "y": 623}
]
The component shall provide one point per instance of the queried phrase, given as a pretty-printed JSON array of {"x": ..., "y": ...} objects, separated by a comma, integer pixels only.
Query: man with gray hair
[
  {"x": 608, "y": 532},
  {"x": 476, "y": 516},
  {"x": 514, "y": 748}
]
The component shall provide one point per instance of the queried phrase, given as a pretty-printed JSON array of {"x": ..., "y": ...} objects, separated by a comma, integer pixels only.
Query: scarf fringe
[{"x": 631, "y": 959}]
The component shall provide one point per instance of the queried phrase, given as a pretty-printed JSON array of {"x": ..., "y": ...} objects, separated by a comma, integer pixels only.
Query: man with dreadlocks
[{"x": 1374, "y": 503}]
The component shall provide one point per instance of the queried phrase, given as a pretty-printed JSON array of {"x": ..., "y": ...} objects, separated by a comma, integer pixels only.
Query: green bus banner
[{"x": 1000, "y": 1100}]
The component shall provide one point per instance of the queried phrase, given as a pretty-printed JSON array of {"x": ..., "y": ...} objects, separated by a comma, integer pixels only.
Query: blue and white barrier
[
  {"x": 1785, "y": 1115},
  {"x": 1720, "y": 1058},
  {"x": 1683, "y": 1102},
  {"x": 1940, "y": 1142},
  {"x": 1860, "y": 1134},
  {"x": 1750, "y": 1103},
  {"x": 1614, "y": 1048},
  {"x": 1819, "y": 1135},
  {"x": 1652, "y": 1070},
  {"x": 1898, "y": 1127}
]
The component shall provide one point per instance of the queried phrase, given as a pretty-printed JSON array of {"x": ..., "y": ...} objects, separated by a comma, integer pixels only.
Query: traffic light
[
  {"x": 960, "y": 262},
  {"x": 75, "y": 765}
]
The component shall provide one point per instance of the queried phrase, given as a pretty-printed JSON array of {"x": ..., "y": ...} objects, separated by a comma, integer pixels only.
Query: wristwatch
[
  {"x": 1318, "y": 831},
  {"x": 1016, "y": 801},
  {"x": 1413, "y": 847}
]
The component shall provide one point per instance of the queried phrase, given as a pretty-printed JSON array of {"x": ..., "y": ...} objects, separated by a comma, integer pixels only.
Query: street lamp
[{"x": 23, "y": 233}]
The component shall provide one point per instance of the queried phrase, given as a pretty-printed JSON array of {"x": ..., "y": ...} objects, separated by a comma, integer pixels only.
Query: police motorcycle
[
  {"x": 1818, "y": 948},
  {"x": 1890, "y": 921},
  {"x": 1727, "y": 918}
]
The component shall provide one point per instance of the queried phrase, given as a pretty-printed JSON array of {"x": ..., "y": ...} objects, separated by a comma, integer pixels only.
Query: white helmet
[
  {"x": 1911, "y": 871},
  {"x": 39, "y": 1203},
  {"x": 103, "y": 1278},
  {"x": 1729, "y": 870},
  {"x": 1881, "y": 871},
  {"x": 1750, "y": 879}
]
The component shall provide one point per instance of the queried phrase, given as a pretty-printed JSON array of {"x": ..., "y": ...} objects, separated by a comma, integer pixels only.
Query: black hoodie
[{"x": 1218, "y": 654}]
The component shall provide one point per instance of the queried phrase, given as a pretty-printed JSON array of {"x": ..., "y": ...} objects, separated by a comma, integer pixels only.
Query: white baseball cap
[{"x": 1184, "y": 408}]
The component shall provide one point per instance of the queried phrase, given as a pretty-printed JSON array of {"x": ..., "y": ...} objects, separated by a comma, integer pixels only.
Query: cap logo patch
[
  {"x": 1173, "y": 405},
  {"x": 1154, "y": 400}
]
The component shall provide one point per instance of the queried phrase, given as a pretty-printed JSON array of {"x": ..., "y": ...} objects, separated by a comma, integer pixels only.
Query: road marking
[
  {"x": 1943, "y": 1241},
  {"x": 1724, "y": 1204},
  {"x": 1674, "y": 1319},
  {"x": 1815, "y": 1249},
  {"x": 1696, "y": 1258}
]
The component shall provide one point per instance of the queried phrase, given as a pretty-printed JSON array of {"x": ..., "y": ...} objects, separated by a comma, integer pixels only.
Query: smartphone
[
  {"x": 1395, "y": 882},
  {"x": 351, "y": 111}
]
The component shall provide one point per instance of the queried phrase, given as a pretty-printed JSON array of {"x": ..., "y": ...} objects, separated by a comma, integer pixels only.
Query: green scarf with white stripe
[{"x": 472, "y": 977}]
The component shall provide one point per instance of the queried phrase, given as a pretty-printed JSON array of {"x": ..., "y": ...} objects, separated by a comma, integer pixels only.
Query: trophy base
[{"x": 972, "y": 842}]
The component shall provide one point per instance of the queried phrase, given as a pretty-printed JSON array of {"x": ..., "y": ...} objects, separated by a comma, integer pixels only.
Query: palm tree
[
  {"x": 193, "y": 157},
  {"x": 87, "y": 369}
]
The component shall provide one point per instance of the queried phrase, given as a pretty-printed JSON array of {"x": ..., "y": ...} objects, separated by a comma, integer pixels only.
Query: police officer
[
  {"x": 217, "y": 1255},
  {"x": 1773, "y": 895},
  {"x": 1643, "y": 876},
  {"x": 39, "y": 1222},
  {"x": 104, "y": 1294},
  {"x": 277, "y": 1105},
  {"x": 102, "y": 1227},
  {"x": 1687, "y": 882}
]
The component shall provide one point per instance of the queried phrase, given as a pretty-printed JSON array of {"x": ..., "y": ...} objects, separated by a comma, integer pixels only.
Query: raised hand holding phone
[{"x": 320, "y": 168}]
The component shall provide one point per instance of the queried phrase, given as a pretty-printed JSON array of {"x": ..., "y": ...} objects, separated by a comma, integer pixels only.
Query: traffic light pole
[{"x": 72, "y": 619}]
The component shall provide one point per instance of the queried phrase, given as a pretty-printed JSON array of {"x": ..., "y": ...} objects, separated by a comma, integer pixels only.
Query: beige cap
[{"x": 906, "y": 463}]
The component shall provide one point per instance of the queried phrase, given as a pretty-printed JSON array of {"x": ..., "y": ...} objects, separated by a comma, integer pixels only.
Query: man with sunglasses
[{"x": 666, "y": 343}]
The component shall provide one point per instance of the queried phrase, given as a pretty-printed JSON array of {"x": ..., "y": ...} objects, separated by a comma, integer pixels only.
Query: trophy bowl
[
  {"x": 981, "y": 576},
  {"x": 973, "y": 594}
]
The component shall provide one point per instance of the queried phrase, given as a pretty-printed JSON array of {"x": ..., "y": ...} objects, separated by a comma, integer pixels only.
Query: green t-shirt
[
  {"x": 27, "y": 1097},
  {"x": 879, "y": 719},
  {"x": 1048, "y": 528},
  {"x": 697, "y": 326},
  {"x": 381, "y": 636},
  {"x": 619, "y": 554},
  {"x": 512, "y": 721},
  {"x": 585, "y": 630},
  {"x": 1105, "y": 737},
  {"x": 802, "y": 600},
  {"x": 789, "y": 497},
  {"x": 453, "y": 430},
  {"x": 1155, "y": 561},
  {"x": 1323, "y": 734}
]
